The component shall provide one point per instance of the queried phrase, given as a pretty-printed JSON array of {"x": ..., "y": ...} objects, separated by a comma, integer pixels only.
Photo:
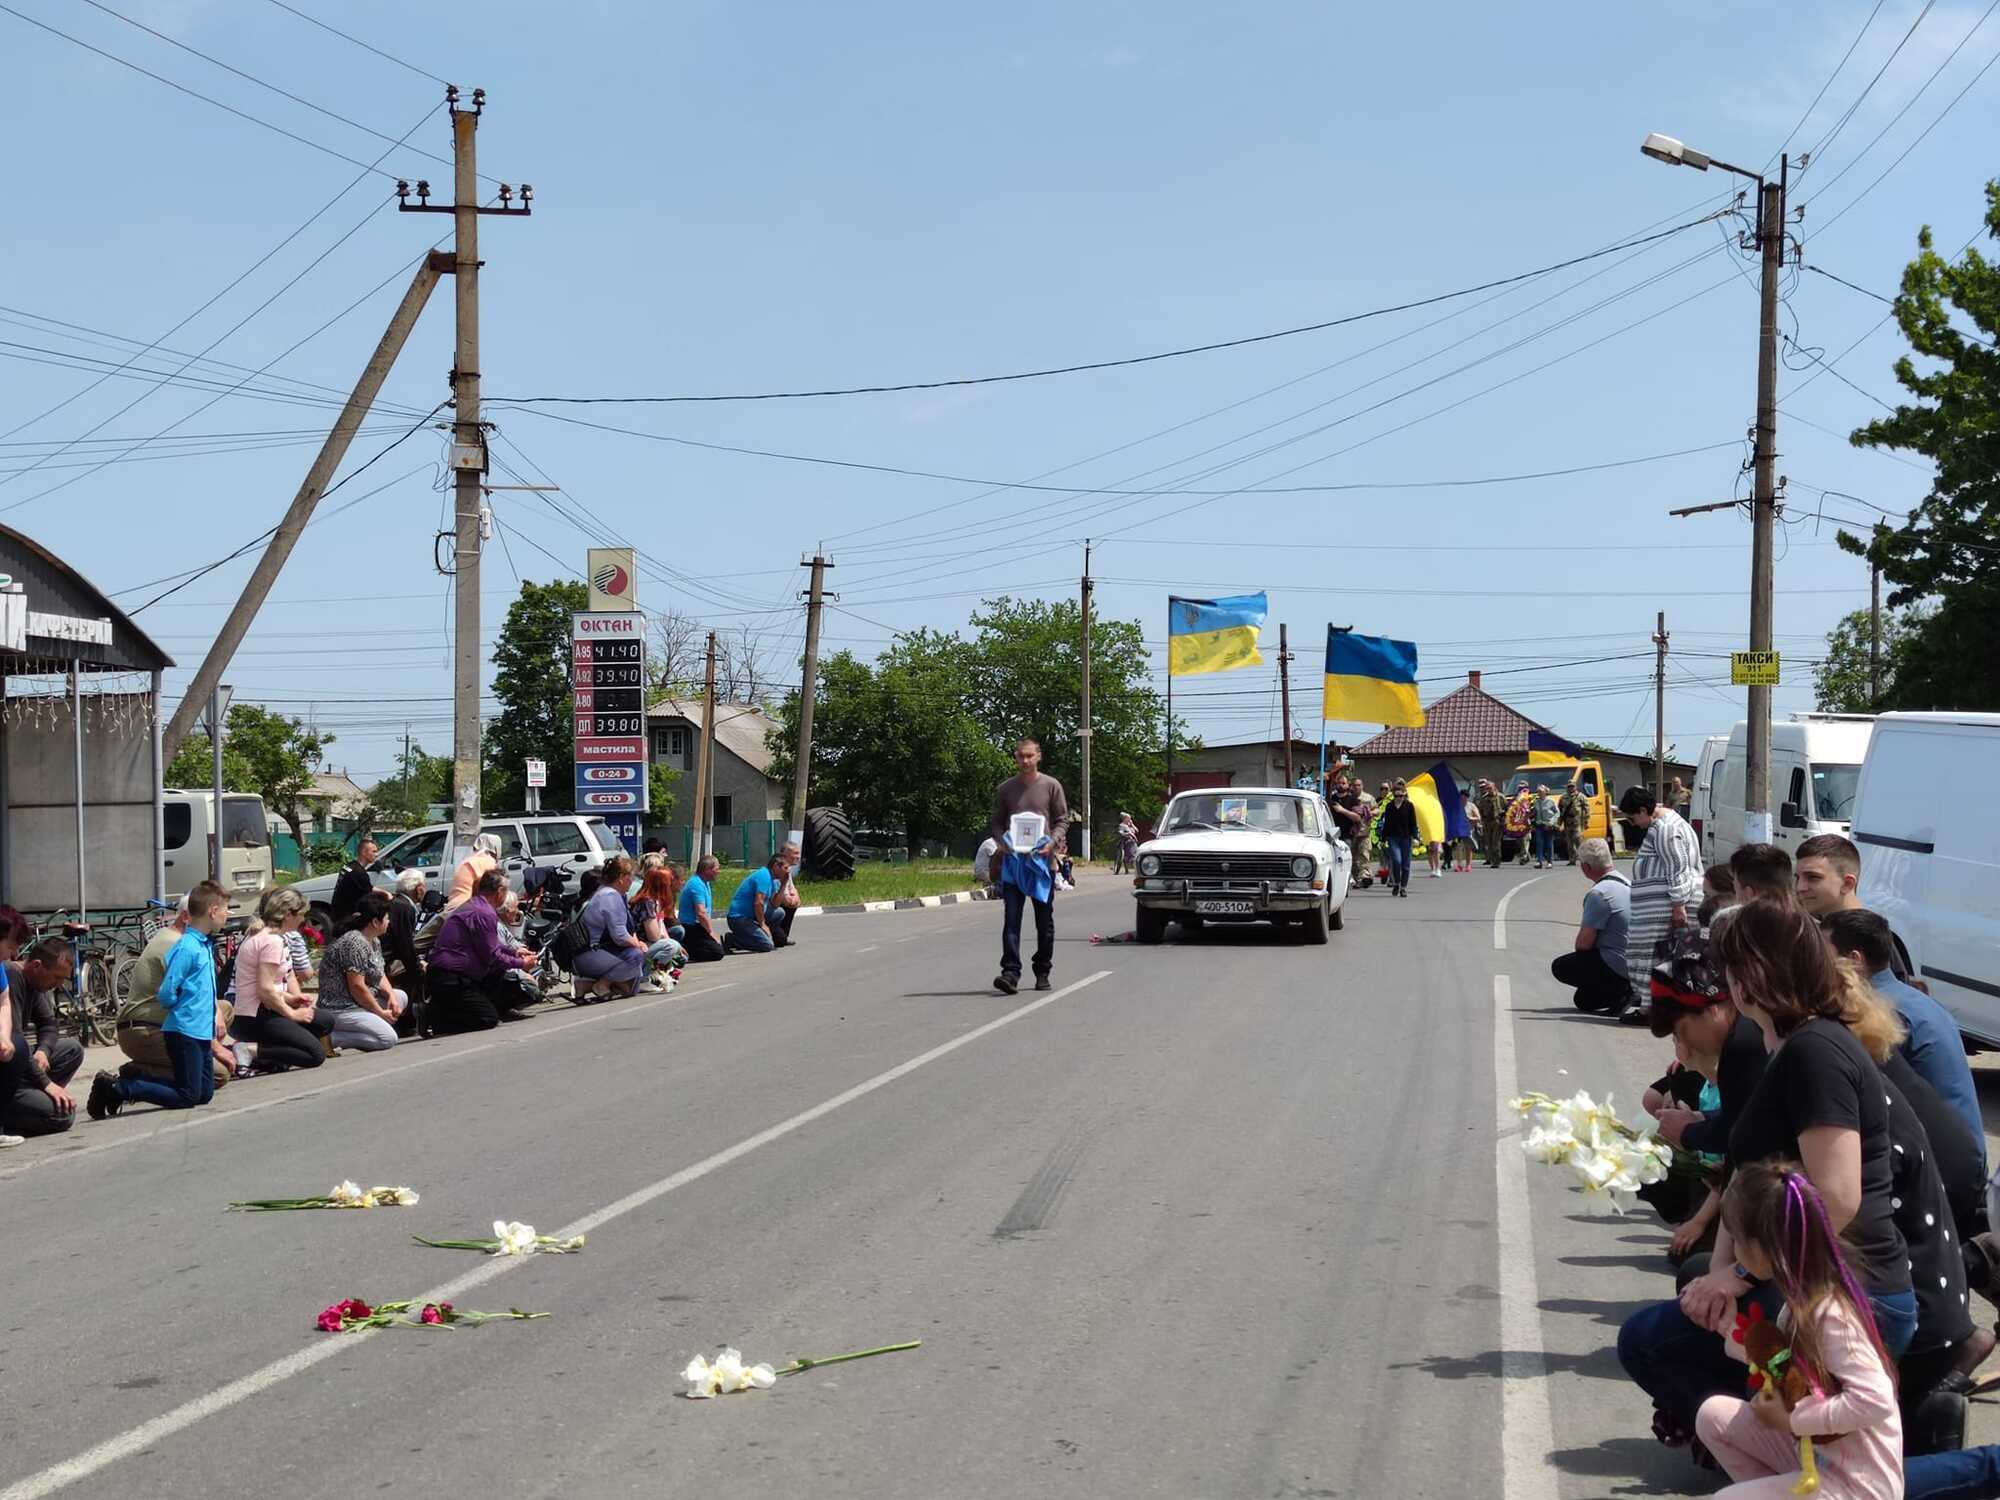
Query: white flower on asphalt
[
  {"x": 346, "y": 1194},
  {"x": 395, "y": 1197},
  {"x": 515, "y": 1238},
  {"x": 726, "y": 1375}
]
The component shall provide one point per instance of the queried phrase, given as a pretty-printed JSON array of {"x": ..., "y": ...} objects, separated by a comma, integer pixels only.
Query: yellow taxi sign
[{"x": 1753, "y": 668}]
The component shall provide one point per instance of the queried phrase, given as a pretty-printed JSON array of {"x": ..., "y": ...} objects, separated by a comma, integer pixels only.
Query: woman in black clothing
[{"x": 1399, "y": 832}]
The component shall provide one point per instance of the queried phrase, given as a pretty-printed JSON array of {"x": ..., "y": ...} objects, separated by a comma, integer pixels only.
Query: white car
[{"x": 1265, "y": 854}]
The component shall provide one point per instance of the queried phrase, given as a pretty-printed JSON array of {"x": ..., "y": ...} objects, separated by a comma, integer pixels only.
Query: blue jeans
[
  {"x": 1014, "y": 903},
  {"x": 1680, "y": 1365},
  {"x": 667, "y": 953},
  {"x": 756, "y": 939},
  {"x": 1399, "y": 862},
  {"x": 1545, "y": 845},
  {"x": 194, "y": 1079},
  {"x": 1969, "y": 1474}
]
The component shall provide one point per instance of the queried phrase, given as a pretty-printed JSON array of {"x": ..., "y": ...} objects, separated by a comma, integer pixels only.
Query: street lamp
[{"x": 1770, "y": 241}]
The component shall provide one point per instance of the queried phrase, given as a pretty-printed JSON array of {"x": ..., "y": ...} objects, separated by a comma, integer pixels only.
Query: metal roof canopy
[{"x": 96, "y": 635}]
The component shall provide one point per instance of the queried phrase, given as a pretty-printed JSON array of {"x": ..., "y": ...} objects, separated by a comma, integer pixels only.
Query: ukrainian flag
[
  {"x": 1214, "y": 635},
  {"x": 1545, "y": 749},
  {"x": 1371, "y": 680},
  {"x": 1440, "y": 808}
]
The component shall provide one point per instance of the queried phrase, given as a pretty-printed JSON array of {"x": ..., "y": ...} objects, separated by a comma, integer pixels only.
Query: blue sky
[{"x": 746, "y": 198}]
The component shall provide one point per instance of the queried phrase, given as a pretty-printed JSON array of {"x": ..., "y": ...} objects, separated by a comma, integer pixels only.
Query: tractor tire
[{"x": 829, "y": 850}]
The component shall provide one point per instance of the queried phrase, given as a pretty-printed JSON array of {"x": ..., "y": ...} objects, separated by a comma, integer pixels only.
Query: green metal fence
[{"x": 744, "y": 844}]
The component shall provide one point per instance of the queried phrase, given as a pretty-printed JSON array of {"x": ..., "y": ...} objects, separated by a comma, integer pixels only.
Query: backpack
[{"x": 570, "y": 942}]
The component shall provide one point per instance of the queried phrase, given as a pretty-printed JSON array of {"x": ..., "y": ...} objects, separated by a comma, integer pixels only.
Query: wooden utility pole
[
  {"x": 1083, "y": 730},
  {"x": 1660, "y": 709},
  {"x": 702, "y": 800},
  {"x": 1764, "y": 501},
  {"x": 1874, "y": 638},
  {"x": 808, "y": 689},
  {"x": 1285, "y": 697}
]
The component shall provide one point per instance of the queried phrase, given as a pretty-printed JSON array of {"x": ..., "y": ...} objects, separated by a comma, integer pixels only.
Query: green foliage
[
  {"x": 278, "y": 756},
  {"x": 404, "y": 799},
  {"x": 531, "y": 679},
  {"x": 661, "y": 781},
  {"x": 1840, "y": 679},
  {"x": 1946, "y": 555},
  {"x": 193, "y": 767},
  {"x": 918, "y": 739}
]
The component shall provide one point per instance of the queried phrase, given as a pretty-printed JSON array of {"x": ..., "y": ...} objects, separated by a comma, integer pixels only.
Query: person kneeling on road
[
  {"x": 141, "y": 1019},
  {"x": 616, "y": 958},
  {"x": 758, "y": 921},
  {"x": 272, "y": 1008},
  {"x": 355, "y": 995},
  {"x": 476, "y": 980},
  {"x": 1596, "y": 967},
  {"x": 34, "y": 1097},
  {"x": 187, "y": 995},
  {"x": 698, "y": 934}
]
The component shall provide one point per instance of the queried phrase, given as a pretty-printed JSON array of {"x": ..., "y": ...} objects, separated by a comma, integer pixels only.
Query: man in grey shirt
[
  {"x": 1595, "y": 968},
  {"x": 1026, "y": 877}
]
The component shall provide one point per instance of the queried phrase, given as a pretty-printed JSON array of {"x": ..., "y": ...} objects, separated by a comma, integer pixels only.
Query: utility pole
[
  {"x": 215, "y": 699},
  {"x": 1874, "y": 637},
  {"x": 1764, "y": 501},
  {"x": 1660, "y": 708},
  {"x": 702, "y": 800},
  {"x": 808, "y": 688},
  {"x": 1083, "y": 730},
  {"x": 1285, "y": 695}
]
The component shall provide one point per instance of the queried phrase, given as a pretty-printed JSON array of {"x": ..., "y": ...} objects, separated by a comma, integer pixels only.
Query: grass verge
[{"x": 871, "y": 882}]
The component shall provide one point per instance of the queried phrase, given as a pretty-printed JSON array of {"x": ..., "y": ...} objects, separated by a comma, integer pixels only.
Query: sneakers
[
  {"x": 12, "y": 1140},
  {"x": 1632, "y": 1015},
  {"x": 1007, "y": 984},
  {"x": 104, "y": 1100},
  {"x": 1043, "y": 982}
]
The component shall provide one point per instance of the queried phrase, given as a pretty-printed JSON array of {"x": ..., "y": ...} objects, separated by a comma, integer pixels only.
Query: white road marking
[
  {"x": 1527, "y": 1427},
  {"x": 913, "y": 937},
  {"x": 177, "y": 1121},
  {"x": 1500, "y": 912},
  {"x": 147, "y": 1434},
  {"x": 869, "y": 949}
]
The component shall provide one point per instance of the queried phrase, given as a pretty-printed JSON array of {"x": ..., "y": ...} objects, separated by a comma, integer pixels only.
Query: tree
[
  {"x": 281, "y": 756},
  {"x": 405, "y": 799},
  {"x": 531, "y": 680},
  {"x": 661, "y": 781},
  {"x": 1840, "y": 678},
  {"x": 193, "y": 767},
  {"x": 1946, "y": 554},
  {"x": 896, "y": 743}
]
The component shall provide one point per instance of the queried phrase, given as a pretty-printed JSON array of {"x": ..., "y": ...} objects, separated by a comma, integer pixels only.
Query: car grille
[{"x": 1226, "y": 867}]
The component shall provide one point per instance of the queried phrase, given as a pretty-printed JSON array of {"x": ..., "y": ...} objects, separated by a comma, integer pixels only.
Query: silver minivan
[{"x": 547, "y": 841}]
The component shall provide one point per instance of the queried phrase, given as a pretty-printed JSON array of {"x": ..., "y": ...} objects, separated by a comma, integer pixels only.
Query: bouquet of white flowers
[{"x": 1612, "y": 1160}]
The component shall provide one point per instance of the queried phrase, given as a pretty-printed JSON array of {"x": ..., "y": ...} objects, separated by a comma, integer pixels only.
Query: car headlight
[
  {"x": 1149, "y": 864},
  {"x": 1302, "y": 867}
]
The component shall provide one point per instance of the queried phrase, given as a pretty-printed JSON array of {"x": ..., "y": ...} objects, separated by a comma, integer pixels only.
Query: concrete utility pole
[
  {"x": 468, "y": 450},
  {"x": 1083, "y": 730},
  {"x": 1285, "y": 696},
  {"x": 1874, "y": 637},
  {"x": 216, "y": 698},
  {"x": 1764, "y": 501},
  {"x": 809, "y": 686},
  {"x": 702, "y": 800},
  {"x": 1660, "y": 709}
]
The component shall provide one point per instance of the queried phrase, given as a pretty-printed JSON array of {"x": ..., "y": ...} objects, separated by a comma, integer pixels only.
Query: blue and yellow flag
[
  {"x": 1440, "y": 808},
  {"x": 1214, "y": 635},
  {"x": 1371, "y": 679},
  {"x": 1545, "y": 749}
]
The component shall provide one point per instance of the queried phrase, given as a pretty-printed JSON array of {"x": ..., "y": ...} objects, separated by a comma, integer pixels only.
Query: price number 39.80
[{"x": 611, "y": 724}]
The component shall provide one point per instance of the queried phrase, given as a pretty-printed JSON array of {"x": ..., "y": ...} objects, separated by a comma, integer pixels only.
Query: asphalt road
[{"x": 1227, "y": 1217}]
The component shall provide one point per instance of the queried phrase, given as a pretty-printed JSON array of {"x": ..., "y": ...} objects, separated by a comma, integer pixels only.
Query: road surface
[{"x": 1227, "y": 1217}]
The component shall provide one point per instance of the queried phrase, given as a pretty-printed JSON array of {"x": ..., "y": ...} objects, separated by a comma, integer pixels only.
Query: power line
[
  {"x": 1841, "y": 123},
  {"x": 1103, "y": 364},
  {"x": 364, "y": 46},
  {"x": 1904, "y": 153},
  {"x": 196, "y": 94},
  {"x": 1837, "y": 67}
]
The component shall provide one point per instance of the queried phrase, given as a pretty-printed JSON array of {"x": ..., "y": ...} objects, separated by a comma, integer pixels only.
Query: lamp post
[{"x": 1770, "y": 241}]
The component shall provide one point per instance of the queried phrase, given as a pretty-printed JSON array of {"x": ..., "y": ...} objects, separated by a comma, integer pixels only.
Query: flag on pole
[
  {"x": 1440, "y": 808},
  {"x": 1213, "y": 635},
  {"x": 1371, "y": 679},
  {"x": 1545, "y": 749}
]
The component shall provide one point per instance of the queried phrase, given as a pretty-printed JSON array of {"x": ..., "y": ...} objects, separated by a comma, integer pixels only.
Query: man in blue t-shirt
[
  {"x": 758, "y": 922},
  {"x": 696, "y": 913},
  {"x": 1595, "y": 967},
  {"x": 187, "y": 996}
]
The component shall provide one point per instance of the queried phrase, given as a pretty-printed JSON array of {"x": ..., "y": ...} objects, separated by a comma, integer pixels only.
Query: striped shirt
[{"x": 1666, "y": 873}]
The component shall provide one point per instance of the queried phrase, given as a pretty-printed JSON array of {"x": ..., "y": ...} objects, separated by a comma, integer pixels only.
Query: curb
[{"x": 906, "y": 903}]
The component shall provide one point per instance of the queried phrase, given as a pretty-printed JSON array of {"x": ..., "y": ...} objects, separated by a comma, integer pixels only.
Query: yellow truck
[{"x": 1589, "y": 779}]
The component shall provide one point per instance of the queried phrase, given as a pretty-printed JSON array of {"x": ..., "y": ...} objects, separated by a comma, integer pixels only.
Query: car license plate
[{"x": 1225, "y": 908}]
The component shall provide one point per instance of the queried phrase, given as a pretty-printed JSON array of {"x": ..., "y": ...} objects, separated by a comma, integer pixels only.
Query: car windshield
[
  {"x": 1833, "y": 792},
  {"x": 1263, "y": 814},
  {"x": 1555, "y": 778}
]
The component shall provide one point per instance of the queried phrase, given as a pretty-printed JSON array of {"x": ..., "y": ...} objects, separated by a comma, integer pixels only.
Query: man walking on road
[
  {"x": 1492, "y": 821},
  {"x": 1573, "y": 809},
  {"x": 1666, "y": 888},
  {"x": 1027, "y": 875}
]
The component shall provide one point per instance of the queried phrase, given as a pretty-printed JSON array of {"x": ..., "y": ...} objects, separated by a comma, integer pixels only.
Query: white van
[
  {"x": 1815, "y": 768},
  {"x": 246, "y": 844},
  {"x": 1701, "y": 800},
  {"x": 1929, "y": 835}
]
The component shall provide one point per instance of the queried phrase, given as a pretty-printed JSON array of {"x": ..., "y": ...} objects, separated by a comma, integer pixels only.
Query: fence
[{"x": 745, "y": 844}]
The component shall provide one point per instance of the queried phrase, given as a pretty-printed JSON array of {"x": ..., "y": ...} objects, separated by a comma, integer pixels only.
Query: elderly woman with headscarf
[{"x": 485, "y": 856}]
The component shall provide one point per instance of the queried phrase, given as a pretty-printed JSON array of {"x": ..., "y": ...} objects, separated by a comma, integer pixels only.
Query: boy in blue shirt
[
  {"x": 187, "y": 995},
  {"x": 757, "y": 922}
]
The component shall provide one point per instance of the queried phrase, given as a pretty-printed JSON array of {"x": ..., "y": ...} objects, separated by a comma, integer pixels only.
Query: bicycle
[{"x": 89, "y": 1005}]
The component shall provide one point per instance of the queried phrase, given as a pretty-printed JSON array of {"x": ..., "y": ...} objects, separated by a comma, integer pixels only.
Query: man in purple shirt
[{"x": 476, "y": 980}]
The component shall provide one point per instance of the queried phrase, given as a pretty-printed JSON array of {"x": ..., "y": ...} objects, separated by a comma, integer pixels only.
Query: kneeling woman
[
  {"x": 610, "y": 968},
  {"x": 271, "y": 1010},
  {"x": 355, "y": 996}
]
